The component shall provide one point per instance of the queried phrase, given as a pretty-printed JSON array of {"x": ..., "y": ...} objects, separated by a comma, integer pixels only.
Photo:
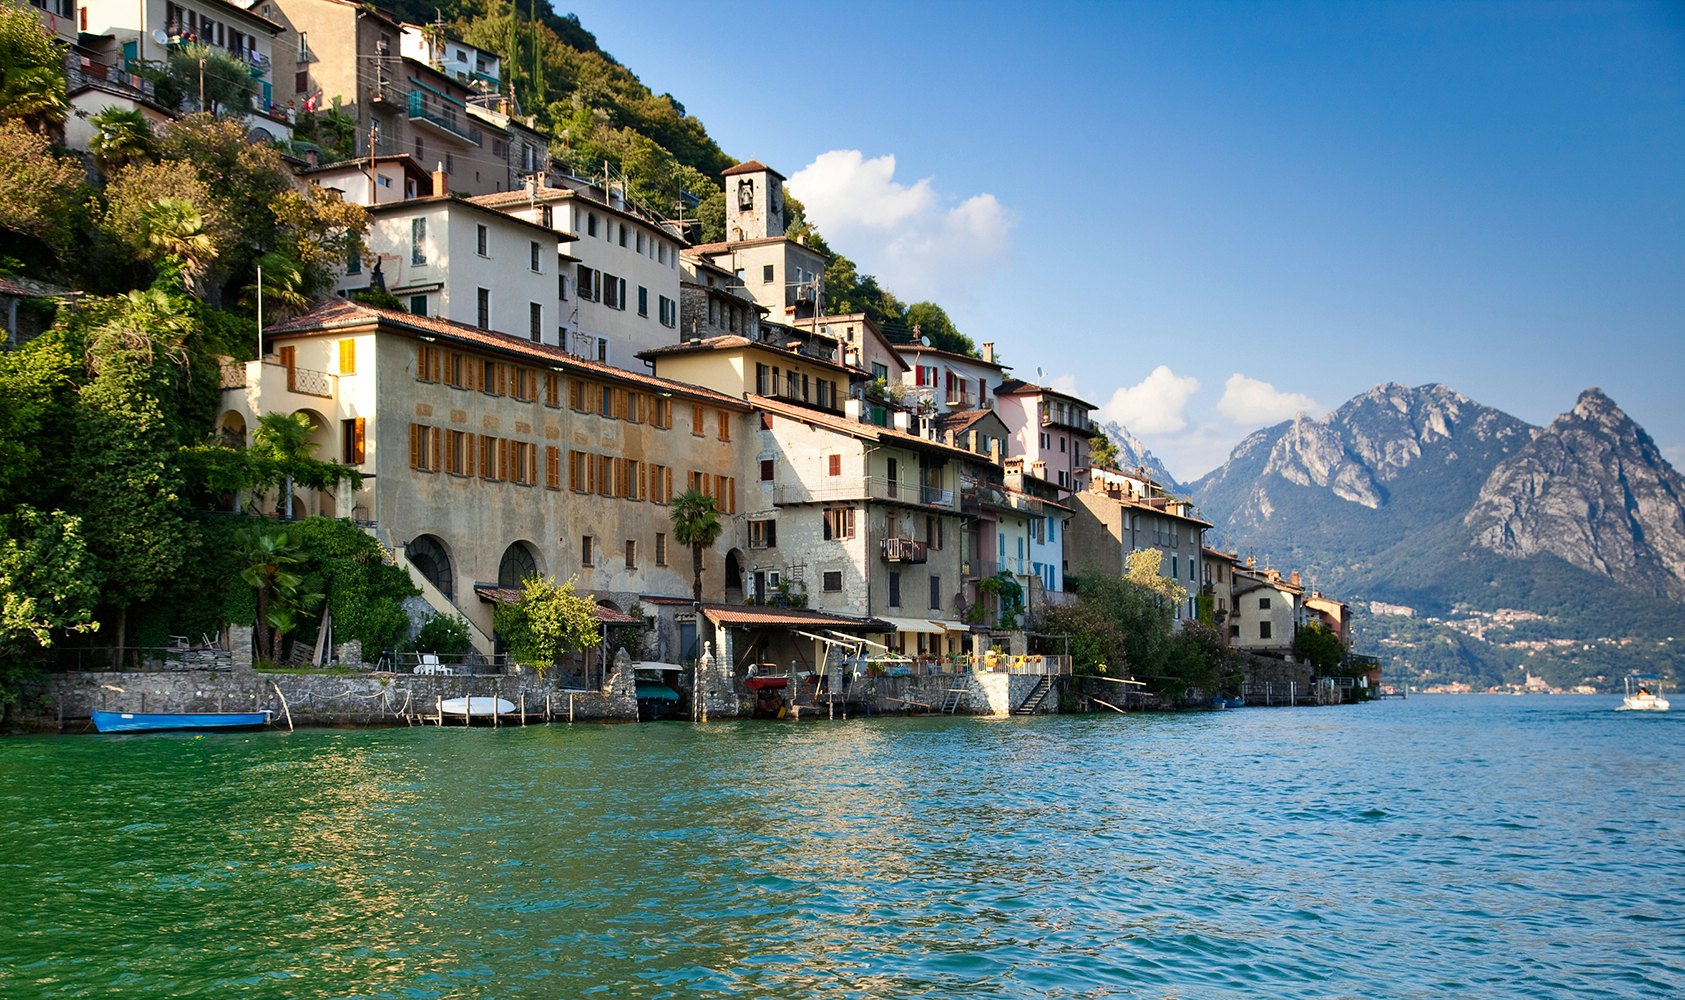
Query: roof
[
  {"x": 750, "y": 167},
  {"x": 29, "y": 288},
  {"x": 504, "y": 199},
  {"x": 922, "y": 349},
  {"x": 963, "y": 420},
  {"x": 410, "y": 204},
  {"x": 759, "y": 241},
  {"x": 410, "y": 164},
  {"x": 857, "y": 429},
  {"x": 337, "y": 315},
  {"x": 494, "y": 594},
  {"x": 733, "y": 342},
  {"x": 1019, "y": 387},
  {"x": 742, "y": 616}
]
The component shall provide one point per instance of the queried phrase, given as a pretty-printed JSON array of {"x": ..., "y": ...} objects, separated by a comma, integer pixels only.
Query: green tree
[
  {"x": 547, "y": 622},
  {"x": 122, "y": 137},
  {"x": 32, "y": 83},
  {"x": 1102, "y": 452},
  {"x": 932, "y": 321},
  {"x": 211, "y": 77},
  {"x": 270, "y": 561},
  {"x": 696, "y": 523},
  {"x": 444, "y": 634},
  {"x": 41, "y": 193},
  {"x": 282, "y": 442},
  {"x": 47, "y": 580},
  {"x": 1197, "y": 661},
  {"x": 1320, "y": 646}
]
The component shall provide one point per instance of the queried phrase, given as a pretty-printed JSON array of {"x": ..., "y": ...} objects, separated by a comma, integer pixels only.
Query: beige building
[
  {"x": 1267, "y": 611},
  {"x": 489, "y": 458},
  {"x": 1117, "y": 514}
]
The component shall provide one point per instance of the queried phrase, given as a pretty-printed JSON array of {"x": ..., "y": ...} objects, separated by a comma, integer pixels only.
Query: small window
[
  {"x": 1263, "y": 604},
  {"x": 766, "y": 274},
  {"x": 483, "y": 297},
  {"x": 480, "y": 238},
  {"x": 537, "y": 260},
  {"x": 351, "y": 433},
  {"x": 834, "y": 465},
  {"x": 660, "y": 549},
  {"x": 1263, "y": 630},
  {"x": 833, "y": 582},
  {"x": 643, "y": 301},
  {"x": 586, "y": 553},
  {"x": 631, "y": 554},
  {"x": 935, "y": 593},
  {"x": 348, "y": 357},
  {"x": 894, "y": 589},
  {"x": 767, "y": 469},
  {"x": 418, "y": 241},
  {"x": 763, "y": 534},
  {"x": 418, "y": 305}
]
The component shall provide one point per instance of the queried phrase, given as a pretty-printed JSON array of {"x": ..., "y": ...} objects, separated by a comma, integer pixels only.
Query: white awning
[
  {"x": 953, "y": 626},
  {"x": 913, "y": 625}
]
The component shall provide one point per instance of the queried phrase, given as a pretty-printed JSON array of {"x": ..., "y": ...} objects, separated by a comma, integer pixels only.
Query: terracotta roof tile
[{"x": 749, "y": 167}]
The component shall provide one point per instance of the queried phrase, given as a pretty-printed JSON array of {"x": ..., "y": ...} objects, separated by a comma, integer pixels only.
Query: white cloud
[
  {"x": 1065, "y": 384},
  {"x": 1158, "y": 404},
  {"x": 917, "y": 243},
  {"x": 1255, "y": 403}
]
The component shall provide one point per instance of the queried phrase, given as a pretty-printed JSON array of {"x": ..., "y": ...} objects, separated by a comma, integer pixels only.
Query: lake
[{"x": 1450, "y": 846}]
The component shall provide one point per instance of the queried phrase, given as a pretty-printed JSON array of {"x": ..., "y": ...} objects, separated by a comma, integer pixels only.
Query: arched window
[
  {"x": 516, "y": 566},
  {"x": 427, "y": 555}
]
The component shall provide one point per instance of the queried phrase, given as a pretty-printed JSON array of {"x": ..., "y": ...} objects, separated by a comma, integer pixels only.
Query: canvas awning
[{"x": 922, "y": 625}]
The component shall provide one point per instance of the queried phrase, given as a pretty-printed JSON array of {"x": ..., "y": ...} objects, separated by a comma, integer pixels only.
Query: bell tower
[{"x": 754, "y": 201}]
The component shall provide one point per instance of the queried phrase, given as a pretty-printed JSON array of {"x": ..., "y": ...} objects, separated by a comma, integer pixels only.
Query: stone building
[
  {"x": 489, "y": 458},
  {"x": 782, "y": 274}
]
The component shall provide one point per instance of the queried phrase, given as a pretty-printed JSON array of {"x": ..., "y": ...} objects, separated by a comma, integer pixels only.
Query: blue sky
[{"x": 1204, "y": 217}]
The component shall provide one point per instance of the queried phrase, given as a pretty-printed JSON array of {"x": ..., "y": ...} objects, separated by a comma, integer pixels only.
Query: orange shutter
[
  {"x": 357, "y": 447},
  {"x": 348, "y": 357},
  {"x": 435, "y": 438}
]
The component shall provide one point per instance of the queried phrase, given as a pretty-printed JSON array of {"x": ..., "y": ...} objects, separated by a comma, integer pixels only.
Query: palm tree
[
  {"x": 283, "y": 441},
  {"x": 283, "y": 287},
  {"x": 696, "y": 523},
  {"x": 174, "y": 231},
  {"x": 121, "y": 137},
  {"x": 268, "y": 560}
]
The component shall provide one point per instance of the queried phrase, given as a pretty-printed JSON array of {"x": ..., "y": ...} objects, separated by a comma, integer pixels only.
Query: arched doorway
[
  {"x": 232, "y": 429},
  {"x": 734, "y": 577},
  {"x": 427, "y": 554}
]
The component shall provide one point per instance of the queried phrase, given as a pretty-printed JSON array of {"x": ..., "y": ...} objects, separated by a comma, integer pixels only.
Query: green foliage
[
  {"x": 696, "y": 523},
  {"x": 1139, "y": 613},
  {"x": 1317, "y": 645},
  {"x": 32, "y": 82},
  {"x": 212, "y": 76},
  {"x": 1101, "y": 451},
  {"x": 1096, "y": 642},
  {"x": 1197, "y": 661},
  {"x": 547, "y": 622},
  {"x": 40, "y": 194},
  {"x": 380, "y": 298},
  {"x": 1009, "y": 593},
  {"x": 928, "y": 319},
  {"x": 366, "y": 589},
  {"x": 443, "y": 634},
  {"x": 47, "y": 581},
  {"x": 122, "y": 137}
]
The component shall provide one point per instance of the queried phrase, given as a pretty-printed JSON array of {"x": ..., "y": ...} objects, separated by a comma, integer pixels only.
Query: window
[
  {"x": 586, "y": 555},
  {"x": 480, "y": 241},
  {"x": 763, "y": 534},
  {"x": 935, "y": 593},
  {"x": 576, "y": 471},
  {"x": 351, "y": 440},
  {"x": 590, "y": 283},
  {"x": 768, "y": 469},
  {"x": 459, "y": 453},
  {"x": 552, "y": 467},
  {"x": 535, "y": 322},
  {"x": 839, "y": 523},
  {"x": 623, "y": 234},
  {"x": 348, "y": 357},
  {"x": 724, "y": 420},
  {"x": 418, "y": 241},
  {"x": 880, "y": 371},
  {"x": 418, "y": 305},
  {"x": 548, "y": 216},
  {"x": 643, "y": 301},
  {"x": 590, "y": 223},
  {"x": 424, "y": 448},
  {"x": 833, "y": 465},
  {"x": 492, "y": 378},
  {"x": 494, "y": 456},
  {"x": 427, "y": 362},
  {"x": 483, "y": 295},
  {"x": 833, "y": 582},
  {"x": 523, "y": 462},
  {"x": 1175, "y": 567},
  {"x": 660, "y": 484},
  {"x": 761, "y": 372},
  {"x": 766, "y": 274},
  {"x": 669, "y": 311},
  {"x": 631, "y": 554},
  {"x": 1263, "y": 630},
  {"x": 894, "y": 588},
  {"x": 660, "y": 549},
  {"x": 698, "y": 420},
  {"x": 1263, "y": 604},
  {"x": 536, "y": 263},
  {"x": 614, "y": 291}
]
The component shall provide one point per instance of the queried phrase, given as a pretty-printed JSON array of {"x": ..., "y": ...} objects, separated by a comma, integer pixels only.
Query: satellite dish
[
  {"x": 161, "y": 38},
  {"x": 1041, "y": 376},
  {"x": 925, "y": 341}
]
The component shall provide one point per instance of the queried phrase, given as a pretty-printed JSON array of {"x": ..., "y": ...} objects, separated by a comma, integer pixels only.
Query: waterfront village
[{"x": 562, "y": 363}]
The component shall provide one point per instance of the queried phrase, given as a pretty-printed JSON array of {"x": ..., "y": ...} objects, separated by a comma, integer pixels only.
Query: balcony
[
  {"x": 904, "y": 550},
  {"x": 448, "y": 123},
  {"x": 855, "y": 488}
]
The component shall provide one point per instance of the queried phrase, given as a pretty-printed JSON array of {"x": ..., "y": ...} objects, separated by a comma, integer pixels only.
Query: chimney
[
  {"x": 1295, "y": 578},
  {"x": 440, "y": 188},
  {"x": 989, "y": 353}
]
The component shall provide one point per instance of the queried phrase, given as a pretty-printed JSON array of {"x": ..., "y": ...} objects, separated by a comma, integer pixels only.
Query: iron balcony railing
[
  {"x": 904, "y": 550},
  {"x": 418, "y": 112}
]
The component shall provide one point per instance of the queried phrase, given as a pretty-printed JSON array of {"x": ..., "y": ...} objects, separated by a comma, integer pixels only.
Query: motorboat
[
  {"x": 157, "y": 722},
  {"x": 477, "y": 707},
  {"x": 657, "y": 689},
  {"x": 1643, "y": 694}
]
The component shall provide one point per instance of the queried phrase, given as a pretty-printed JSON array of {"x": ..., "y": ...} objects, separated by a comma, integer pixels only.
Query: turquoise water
[{"x": 1474, "y": 846}]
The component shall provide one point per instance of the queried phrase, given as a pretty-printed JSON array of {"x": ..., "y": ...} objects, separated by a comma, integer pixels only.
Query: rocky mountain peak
[{"x": 1593, "y": 490}]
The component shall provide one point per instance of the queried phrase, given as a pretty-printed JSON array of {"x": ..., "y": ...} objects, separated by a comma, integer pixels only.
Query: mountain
[
  {"x": 1594, "y": 491},
  {"x": 1522, "y": 544},
  {"x": 1132, "y": 454}
]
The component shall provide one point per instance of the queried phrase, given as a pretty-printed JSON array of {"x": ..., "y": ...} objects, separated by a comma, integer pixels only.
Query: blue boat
[{"x": 152, "y": 722}]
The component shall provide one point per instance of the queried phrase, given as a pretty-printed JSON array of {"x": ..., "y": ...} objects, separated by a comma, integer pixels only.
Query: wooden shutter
[
  {"x": 348, "y": 357},
  {"x": 416, "y": 431},
  {"x": 436, "y": 440},
  {"x": 357, "y": 441}
]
